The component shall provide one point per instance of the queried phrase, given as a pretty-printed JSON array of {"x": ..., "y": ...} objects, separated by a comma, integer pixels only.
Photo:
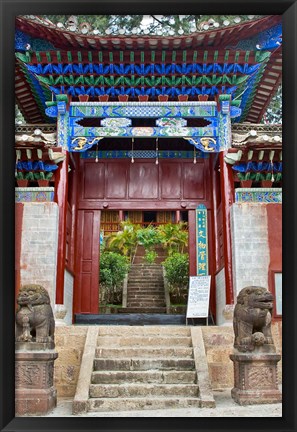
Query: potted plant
[
  {"x": 245, "y": 180},
  {"x": 267, "y": 181},
  {"x": 20, "y": 178},
  {"x": 83, "y": 98},
  {"x": 163, "y": 97},
  {"x": 103, "y": 98},
  {"x": 203, "y": 97},
  {"x": 123, "y": 97},
  {"x": 143, "y": 98},
  {"x": 183, "y": 97},
  {"x": 43, "y": 178}
]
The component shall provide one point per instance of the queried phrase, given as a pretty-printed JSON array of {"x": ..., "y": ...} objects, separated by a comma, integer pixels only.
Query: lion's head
[
  {"x": 33, "y": 295},
  {"x": 256, "y": 297}
]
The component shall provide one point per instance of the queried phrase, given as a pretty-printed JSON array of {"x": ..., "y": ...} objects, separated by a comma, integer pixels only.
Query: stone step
[
  {"x": 148, "y": 377},
  {"x": 137, "y": 299},
  {"x": 138, "y": 286},
  {"x": 153, "y": 278},
  {"x": 159, "y": 296},
  {"x": 118, "y": 404},
  {"x": 168, "y": 341},
  {"x": 143, "y": 310},
  {"x": 146, "y": 285},
  {"x": 150, "y": 330},
  {"x": 138, "y": 290},
  {"x": 151, "y": 352},
  {"x": 144, "y": 265},
  {"x": 143, "y": 364},
  {"x": 142, "y": 304},
  {"x": 140, "y": 390}
]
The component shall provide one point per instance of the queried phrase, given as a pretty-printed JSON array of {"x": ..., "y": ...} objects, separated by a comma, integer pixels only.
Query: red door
[{"x": 86, "y": 292}]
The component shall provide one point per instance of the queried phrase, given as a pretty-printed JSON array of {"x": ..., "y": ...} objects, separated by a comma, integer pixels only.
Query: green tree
[
  {"x": 123, "y": 241},
  {"x": 177, "y": 275},
  {"x": 174, "y": 237},
  {"x": 113, "y": 269}
]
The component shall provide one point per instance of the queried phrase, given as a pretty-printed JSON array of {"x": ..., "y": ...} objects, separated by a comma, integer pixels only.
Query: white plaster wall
[
  {"x": 39, "y": 245},
  {"x": 220, "y": 296},
  {"x": 250, "y": 248},
  {"x": 68, "y": 296}
]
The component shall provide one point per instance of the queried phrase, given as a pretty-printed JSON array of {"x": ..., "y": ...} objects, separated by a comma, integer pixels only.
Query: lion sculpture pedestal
[
  {"x": 255, "y": 359},
  {"x": 35, "y": 393}
]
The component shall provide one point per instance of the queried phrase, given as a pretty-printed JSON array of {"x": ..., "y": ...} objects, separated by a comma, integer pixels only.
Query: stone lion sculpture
[
  {"x": 34, "y": 319},
  {"x": 252, "y": 319}
]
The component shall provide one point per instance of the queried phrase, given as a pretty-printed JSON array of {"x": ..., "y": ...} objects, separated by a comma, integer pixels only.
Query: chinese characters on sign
[
  {"x": 198, "y": 298},
  {"x": 201, "y": 239}
]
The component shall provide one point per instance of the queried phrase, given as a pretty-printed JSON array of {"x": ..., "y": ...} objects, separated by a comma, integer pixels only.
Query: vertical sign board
[
  {"x": 198, "y": 297},
  {"x": 201, "y": 241}
]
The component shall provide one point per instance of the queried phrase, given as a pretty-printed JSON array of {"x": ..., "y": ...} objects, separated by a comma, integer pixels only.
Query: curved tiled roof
[{"x": 238, "y": 59}]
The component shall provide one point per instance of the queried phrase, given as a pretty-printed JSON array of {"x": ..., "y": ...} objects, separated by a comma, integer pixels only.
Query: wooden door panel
[
  {"x": 94, "y": 180},
  {"x": 116, "y": 180},
  {"x": 194, "y": 181},
  {"x": 170, "y": 180},
  {"x": 143, "y": 180},
  {"x": 87, "y": 281}
]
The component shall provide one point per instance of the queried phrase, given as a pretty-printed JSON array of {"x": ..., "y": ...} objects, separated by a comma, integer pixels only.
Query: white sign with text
[{"x": 198, "y": 298}]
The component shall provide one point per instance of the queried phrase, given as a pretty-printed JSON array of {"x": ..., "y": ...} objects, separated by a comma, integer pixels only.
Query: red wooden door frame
[{"x": 86, "y": 287}]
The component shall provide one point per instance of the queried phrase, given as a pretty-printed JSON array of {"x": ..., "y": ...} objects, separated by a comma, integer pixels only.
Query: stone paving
[{"x": 225, "y": 407}]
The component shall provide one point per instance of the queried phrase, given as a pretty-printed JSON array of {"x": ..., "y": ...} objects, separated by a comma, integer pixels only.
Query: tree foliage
[
  {"x": 152, "y": 24},
  {"x": 113, "y": 269}
]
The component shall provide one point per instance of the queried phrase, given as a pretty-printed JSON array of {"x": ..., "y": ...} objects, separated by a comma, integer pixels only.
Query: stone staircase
[
  {"x": 145, "y": 289},
  {"x": 139, "y": 367}
]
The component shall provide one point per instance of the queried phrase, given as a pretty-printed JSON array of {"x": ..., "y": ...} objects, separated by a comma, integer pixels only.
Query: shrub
[
  {"x": 174, "y": 237},
  {"x": 150, "y": 257},
  {"x": 113, "y": 269},
  {"x": 177, "y": 275},
  {"x": 148, "y": 237},
  {"x": 123, "y": 242}
]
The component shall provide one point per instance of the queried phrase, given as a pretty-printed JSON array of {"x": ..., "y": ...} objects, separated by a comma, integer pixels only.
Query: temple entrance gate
[{"x": 125, "y": 181}]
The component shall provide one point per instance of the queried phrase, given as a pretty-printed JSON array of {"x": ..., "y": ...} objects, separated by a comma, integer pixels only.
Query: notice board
[{"x": 198, "y": 297}]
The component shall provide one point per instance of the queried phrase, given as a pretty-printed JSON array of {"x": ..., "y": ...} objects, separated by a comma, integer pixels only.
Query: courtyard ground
[{"x": 225, "y": 407}]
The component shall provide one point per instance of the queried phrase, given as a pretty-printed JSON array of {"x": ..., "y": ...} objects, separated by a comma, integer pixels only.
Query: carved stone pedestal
[
  {"x": 255, "y": 378},
  {"x": 34, "y": 378}
]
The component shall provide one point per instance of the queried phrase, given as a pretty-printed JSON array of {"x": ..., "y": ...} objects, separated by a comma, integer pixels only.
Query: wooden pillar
[
  {"x": 61, "y": 197},
  {"x": 192, "y": 242},
  {"x": 177, "y": 216},
  {"x": 227, "y": 192}
]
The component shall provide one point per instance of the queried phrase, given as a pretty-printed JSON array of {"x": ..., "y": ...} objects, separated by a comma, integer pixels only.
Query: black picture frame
[{"x": 10, "y": 9}]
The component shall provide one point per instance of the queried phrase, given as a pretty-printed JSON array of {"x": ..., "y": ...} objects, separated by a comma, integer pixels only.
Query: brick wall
[
  {"x": 39, "y": 245},
  {"x": 220, "y": 296},
  {"x": 218, "y": 343},
  {"x": 70, "y": 341},
  {"x": 250, "y": 248}
]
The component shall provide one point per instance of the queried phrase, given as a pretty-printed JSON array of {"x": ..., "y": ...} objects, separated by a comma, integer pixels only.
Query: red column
[
  {"x": 227, "y": 192},
  {"x": 61, "y": 194}
]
